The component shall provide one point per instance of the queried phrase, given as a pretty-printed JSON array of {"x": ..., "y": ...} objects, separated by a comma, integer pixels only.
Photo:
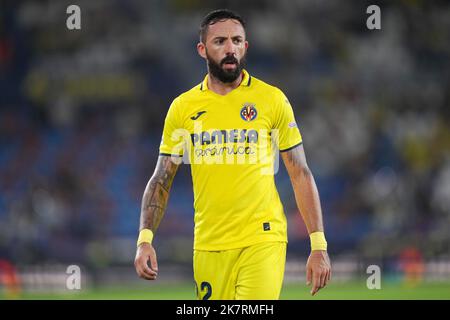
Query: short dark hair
[{"x": 215, "y": 16}]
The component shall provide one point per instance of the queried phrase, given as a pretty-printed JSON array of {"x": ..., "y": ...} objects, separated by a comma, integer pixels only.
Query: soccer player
[{"x": 230, "y": 128}]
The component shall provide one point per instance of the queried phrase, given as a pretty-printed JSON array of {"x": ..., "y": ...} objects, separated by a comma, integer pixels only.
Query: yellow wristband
[
  {"x": 145, "y": 235},
  {"x": 318, "y": 241}
]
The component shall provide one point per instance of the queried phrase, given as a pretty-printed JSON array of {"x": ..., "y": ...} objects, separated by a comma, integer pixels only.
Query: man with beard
[{"x": 240, "y": 234}]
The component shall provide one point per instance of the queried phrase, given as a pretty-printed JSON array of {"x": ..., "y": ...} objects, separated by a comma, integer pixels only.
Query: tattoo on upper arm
[
  {"x": 293, "y": 156},
  {"x": 295, "y": 161},
  {"x": 156, "y": 194}
]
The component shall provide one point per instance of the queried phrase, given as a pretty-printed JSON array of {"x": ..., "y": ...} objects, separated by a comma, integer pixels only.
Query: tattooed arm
[
  {"x": 305, "y": 189},
  {"x": 154, "y": 203},
  {"x": 318, "y": 267},
  {"x": 156, "y": 193}
]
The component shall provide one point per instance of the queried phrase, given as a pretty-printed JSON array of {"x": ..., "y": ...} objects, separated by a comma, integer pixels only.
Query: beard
[{"x": 225, "y": 75}]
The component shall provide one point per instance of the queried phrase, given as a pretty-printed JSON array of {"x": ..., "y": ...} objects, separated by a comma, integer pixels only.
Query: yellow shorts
[{"x": 250, "y": 273}]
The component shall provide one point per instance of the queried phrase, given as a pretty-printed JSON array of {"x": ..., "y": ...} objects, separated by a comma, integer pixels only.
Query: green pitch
[{"x": 340, "y": 291}]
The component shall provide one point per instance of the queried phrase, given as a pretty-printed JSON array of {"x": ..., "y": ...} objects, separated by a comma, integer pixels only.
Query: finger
[
  {"x": 316, "y": 283},
  {"x": 308, "y": 276},
  {"x": 146, "y": 269},
  {"x": 327, "y": 276},
  {"x": 149, "y": 272},
  {"x": 147, "y": 277},
  {"x": 154, "y": 263},
  {"x": 323, "y": 278},
  {"x": 142, "y": 274}
]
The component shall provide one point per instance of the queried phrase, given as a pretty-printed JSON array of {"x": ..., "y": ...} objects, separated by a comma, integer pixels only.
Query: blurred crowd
[{"x": 81, "y": 116}]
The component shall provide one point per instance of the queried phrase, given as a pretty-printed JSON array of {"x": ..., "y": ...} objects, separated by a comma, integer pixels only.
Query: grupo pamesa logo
[{"x": 248, "y": 112}]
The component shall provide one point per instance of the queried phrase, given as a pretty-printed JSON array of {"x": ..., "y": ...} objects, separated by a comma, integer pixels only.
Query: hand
[
  {"x": 318, "y": 270},
  {"x": 144, "y": 253}
]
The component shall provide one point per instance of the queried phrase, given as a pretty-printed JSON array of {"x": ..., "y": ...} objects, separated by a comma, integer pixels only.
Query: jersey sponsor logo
[
  {"x": 248, "y": 112},
  {"x": 224, "y": 150},
  {"x": 198, "y": 115},
  {"x": 229, "y": 146},
  {"x": 292, "y": 124},
  {"x": 224, "y": 136},
  {"x": 226, "y": 146}
]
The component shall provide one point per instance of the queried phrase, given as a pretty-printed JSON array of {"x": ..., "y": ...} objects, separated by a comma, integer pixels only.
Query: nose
[{"x": 230, "y": 48}]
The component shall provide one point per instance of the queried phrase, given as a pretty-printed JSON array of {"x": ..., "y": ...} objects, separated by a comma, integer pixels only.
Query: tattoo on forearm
[{"x": 156, "y": 194}]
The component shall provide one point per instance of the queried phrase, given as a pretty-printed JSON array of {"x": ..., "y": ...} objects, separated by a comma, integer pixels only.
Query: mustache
[{"x": 228, "y": 59}]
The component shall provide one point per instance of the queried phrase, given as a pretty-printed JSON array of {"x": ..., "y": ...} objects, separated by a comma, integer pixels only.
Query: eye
[
  {"x": 237, "y": 41},
  {"x": 218, "y": 41}
]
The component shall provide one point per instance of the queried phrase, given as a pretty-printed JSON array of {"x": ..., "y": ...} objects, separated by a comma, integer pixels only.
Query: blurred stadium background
[{"x": 81, "y": 115}]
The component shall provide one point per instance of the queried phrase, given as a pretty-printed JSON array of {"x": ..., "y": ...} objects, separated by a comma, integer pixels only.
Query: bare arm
[
  {"x": 305, "y": 189},
  {"x": 318, "y": 268},
  {"x": 154, "y": 203},
  {"x": 156, "y": 194}
]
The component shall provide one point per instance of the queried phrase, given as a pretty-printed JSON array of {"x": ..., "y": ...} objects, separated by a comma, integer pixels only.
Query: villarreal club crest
[{"x": 248, "y": 112}]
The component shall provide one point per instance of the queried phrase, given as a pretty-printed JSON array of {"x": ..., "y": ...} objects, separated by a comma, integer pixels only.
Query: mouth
[{"x": 229, "y": 65}]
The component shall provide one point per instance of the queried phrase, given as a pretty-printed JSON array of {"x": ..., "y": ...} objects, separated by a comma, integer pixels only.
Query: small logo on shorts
[{"x": 266, "y": 226}]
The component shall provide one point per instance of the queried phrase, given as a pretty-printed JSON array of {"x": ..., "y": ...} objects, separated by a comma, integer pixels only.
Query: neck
[{"x": 221, "y": 88}]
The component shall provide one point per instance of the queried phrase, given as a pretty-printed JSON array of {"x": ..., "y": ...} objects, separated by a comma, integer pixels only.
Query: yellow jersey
[{"x": 231, "y": 142}]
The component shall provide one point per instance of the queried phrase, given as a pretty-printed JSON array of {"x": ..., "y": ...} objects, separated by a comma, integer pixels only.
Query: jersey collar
[{"x": 246, "y": 80}]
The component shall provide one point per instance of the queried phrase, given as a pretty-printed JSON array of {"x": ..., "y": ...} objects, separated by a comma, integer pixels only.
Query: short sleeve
[
  {"x": 172, "y": 142},
  {"x": 287, "y": 131}
]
